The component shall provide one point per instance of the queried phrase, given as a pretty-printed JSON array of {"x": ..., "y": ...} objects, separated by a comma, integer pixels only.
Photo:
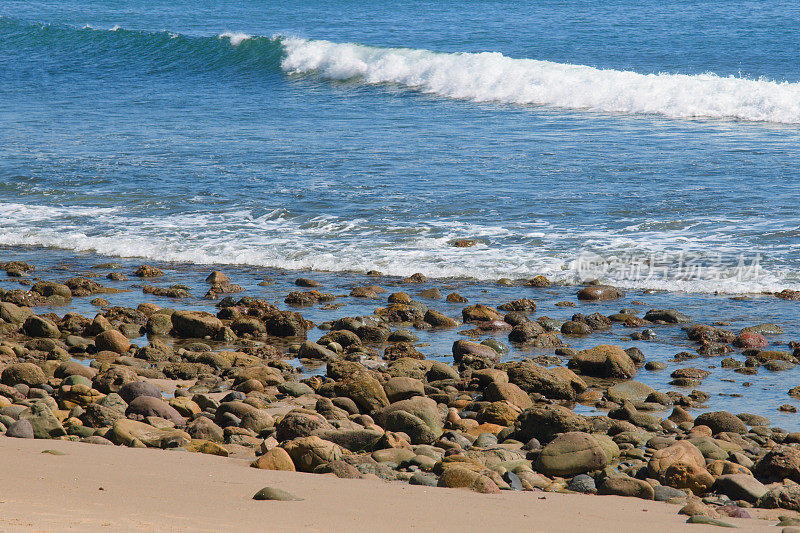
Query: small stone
[{"x": 272, "y": 493}]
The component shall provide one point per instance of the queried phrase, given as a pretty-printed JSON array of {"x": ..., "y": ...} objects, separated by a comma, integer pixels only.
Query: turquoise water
[{"x": 369, "y": 135}]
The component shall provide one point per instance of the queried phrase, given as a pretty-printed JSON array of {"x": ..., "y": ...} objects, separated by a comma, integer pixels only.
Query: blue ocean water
[{"x": 568, "y": 138}]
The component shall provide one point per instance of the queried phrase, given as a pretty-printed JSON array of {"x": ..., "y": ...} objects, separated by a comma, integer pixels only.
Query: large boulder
[
  {"x": 413, "y": 426},
  {"x": 605, "y": 361},
  {"x": 35, "y": 326},
  {"x": 464, "y": 478},
  {"x": 543, "y": 422},
  {"x": 113, "y": 341},
  {"x": 599, "y": 293},
  {"x": 402, "y": 388},
  {"x": 365, "y": 390},
  {"x": 740, "y": 487},
  {"x": 558, "y": 383},
  {"x": 195, "y": 324},
  {"x": 570, "y": 454},
  {"x": 144, "y": 406},
  {"x": 45, "y": 424},
  {"x": 688, "y": 476},
  {"x": 681, "y": 452},
  {"x": 133, "y": 433},
  {"x": 626, "y": 486},
  {"x": 299, "y": 424},
  {"x": 781, "y": 462},
  {"x": 26, "y": 373},
  {"x": 275, "y": 459},
  {"x": 421, "y": 407},
  {"x": 721, "y": 421},
  {"x": 508, "y": 392},
  {"x": 14, "y": 314},
  {"x": 307, "y": 453},
  {"x": 132, "y": 390},
  {"x": 112, "y": 379}
]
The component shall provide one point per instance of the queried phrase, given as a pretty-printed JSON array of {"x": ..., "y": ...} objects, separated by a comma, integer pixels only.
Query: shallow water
[{"x": 767, "y": 391}]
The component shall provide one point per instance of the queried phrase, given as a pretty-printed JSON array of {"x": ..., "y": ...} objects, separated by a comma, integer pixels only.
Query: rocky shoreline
[{"x": 238, "y": 376}]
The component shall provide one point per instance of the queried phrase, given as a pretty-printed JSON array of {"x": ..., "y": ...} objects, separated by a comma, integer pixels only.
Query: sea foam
[{"x": 493, "y": 77}]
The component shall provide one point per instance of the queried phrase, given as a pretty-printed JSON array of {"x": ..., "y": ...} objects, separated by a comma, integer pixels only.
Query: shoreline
[
  {"x": 173, "y": 491},
  {"x": 508, "y": 393}
]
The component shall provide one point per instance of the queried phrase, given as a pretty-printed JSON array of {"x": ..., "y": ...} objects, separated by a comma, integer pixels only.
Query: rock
[
  {"x": 299, "y": 424},
  {"x": 699, "y": 519},
  {"x": 608, "y": 361},
  {"x": 629, "y": 390},
  {"x": 421, "y": 407},
  {"x": 721, "y": 421},
  {"x": 781, "y": 462},
  {"x": 662, "y": 493},
  {"x": 366, "y": 391},
  {"x": 582, "y": 483},
  {"x": 147, "y": 271},
  {"x": 393, "y": 455},
  {"x": 401, "y": 388},
  {"x": 464, "y": 347},
  {"x": 142, "y": 407},
  {"x": 114, "y": 378},
  {"x": 205, "y": 428},
  {"x": 132, "y": 390},
  {"x": 543, "y": 422},
  {"x": 425, "y": 480},
  {"x": 740, "y": 487},
  {"x": 626, "y": 486},
  {"x": 669, "y": 316},
  {"x": 275, "y": 459},
  {"x": 45, "y": 424},
  {"x": 113, "y": 341},
  {"x": 25, "y": 373},
  {"x": 340, "y": 469},
  {"x": 682, "y": 451},
  {"x": 750, "y": 340},
  {"x": 98, "y": 416},
  {"x": 508, "y": 392},
  {"x": 480, "y": 313},
  {"x": 14, "y": 314},
  {"x": 73, "y": 368},
  {"x": 312, "y": 350},
  {"x": 307, "y": 453},
  {"x": 786, "y": 496},
  {"x": 195, "y": 324},
  {"x": 688, "y": 476},
  {"x": 557, "y": 383},
  {"x": 272, "y": 493},
  {"x": 354, "y": 440},
  {"x": 570, "y": 454},
  {"x": 130, "y": 432},
  {"x": 462, "y": 478},
  {"x": 20, "y": 429},
  {"x": 600, "y": 292},
  {"x": 35, "y": 326},
  {"x": 439, "y": 320}
]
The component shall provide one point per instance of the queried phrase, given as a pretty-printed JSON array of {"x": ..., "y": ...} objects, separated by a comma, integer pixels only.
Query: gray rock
[
  {"x": 272, "y": 493},
  {"x": 21, "y": 429}
]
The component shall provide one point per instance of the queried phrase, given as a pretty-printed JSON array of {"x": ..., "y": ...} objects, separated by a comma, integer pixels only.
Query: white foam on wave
[
  {"x": 277, "y": 239},
  {"x": 235, "y": 38},
  {"x": 493, "y": 77}
]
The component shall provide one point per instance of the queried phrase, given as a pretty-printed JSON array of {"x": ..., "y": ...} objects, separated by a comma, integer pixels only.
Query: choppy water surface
[{"x": 649, "y": 144}]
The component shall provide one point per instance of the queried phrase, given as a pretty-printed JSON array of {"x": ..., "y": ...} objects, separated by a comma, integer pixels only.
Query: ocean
[
  {"x": 350, "y": 136},
  {"x": 651, "y": 145}
]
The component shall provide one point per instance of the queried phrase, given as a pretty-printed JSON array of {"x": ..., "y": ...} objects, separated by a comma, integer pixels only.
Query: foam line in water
[{"x": 493, "y": 77}]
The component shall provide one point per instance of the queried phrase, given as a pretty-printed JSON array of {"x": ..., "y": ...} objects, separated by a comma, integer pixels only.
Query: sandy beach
[{"x": 106, "y": 488}]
